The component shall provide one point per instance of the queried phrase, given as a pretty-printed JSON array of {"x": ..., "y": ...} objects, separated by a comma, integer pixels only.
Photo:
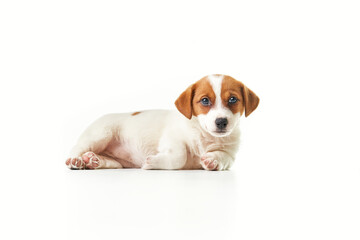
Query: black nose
[{"x": 221, "y": 123}]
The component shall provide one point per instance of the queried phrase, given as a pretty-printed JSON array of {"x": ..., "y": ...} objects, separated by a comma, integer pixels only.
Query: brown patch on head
[
  {"x": 232, "y": 88},
  {"x": 203, "y": 90},
  {"x": 247, "y": 99},
  {"x": 135, "y": 113},
  {"x": 189, "y": 102}
]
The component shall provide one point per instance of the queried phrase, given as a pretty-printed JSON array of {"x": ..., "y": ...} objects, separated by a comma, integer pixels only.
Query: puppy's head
[{"x": 217, "y": 101}]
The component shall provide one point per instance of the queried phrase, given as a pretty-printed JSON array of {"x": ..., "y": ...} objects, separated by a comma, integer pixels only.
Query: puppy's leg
[
  {"x": 94, "y": 142},
  {"x": 87, "y": 145},
  {"x": 171, "y": 155},
  {"x": 217, "y": 160},
  {"x": 90, "y": 160}
]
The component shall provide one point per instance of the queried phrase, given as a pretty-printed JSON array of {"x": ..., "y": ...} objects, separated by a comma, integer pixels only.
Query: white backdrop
[{"x": 65, "y": 63}]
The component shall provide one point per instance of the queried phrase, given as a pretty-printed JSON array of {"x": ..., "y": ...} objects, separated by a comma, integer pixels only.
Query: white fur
[{"x": 161, "y": 139}]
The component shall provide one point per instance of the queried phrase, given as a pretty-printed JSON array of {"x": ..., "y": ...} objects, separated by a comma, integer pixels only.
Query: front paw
[
  {"x": 209, "y": 162},
  {"x": 149, "y": 163}
]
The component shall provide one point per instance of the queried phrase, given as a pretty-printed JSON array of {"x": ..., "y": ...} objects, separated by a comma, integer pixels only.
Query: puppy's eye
[
  {"x": 205, "y": 101},
  {"x": 232, "y": 100}
]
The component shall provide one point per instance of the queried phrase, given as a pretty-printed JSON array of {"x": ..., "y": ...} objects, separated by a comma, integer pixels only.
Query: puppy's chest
[{"x": 203, "y": 145}]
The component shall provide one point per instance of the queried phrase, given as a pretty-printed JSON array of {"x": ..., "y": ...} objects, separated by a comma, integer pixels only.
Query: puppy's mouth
[{"x": 219, "y": 133}]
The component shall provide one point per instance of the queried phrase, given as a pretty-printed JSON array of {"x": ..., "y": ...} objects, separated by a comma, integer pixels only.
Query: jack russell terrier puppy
[{"x": 204, "y": 134}]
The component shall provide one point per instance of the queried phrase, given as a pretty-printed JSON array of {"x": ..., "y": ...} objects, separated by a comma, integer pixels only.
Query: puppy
[{"x": 204, "y": 134}]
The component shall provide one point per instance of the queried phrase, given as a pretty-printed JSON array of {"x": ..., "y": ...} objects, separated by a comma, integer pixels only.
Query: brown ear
[
  {"x": 251, "y": 101},
  {"x": 184, "y": 102}
]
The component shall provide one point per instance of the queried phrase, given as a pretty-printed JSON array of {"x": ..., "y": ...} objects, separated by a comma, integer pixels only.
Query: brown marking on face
[
  {"x": 189, "y": 102},
  {"x": 135, "y": 113},
  {"x": 232, "y": 88},
  {"x": 247, "y": 99},
  {"x": 203, "y": 89}
]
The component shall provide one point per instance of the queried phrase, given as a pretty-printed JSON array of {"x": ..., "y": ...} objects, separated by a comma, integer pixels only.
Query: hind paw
[
  {"x": 91, "y": 160},
  {"x": 88, "y": 160},
  {"x": 75, "y": 163}
]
